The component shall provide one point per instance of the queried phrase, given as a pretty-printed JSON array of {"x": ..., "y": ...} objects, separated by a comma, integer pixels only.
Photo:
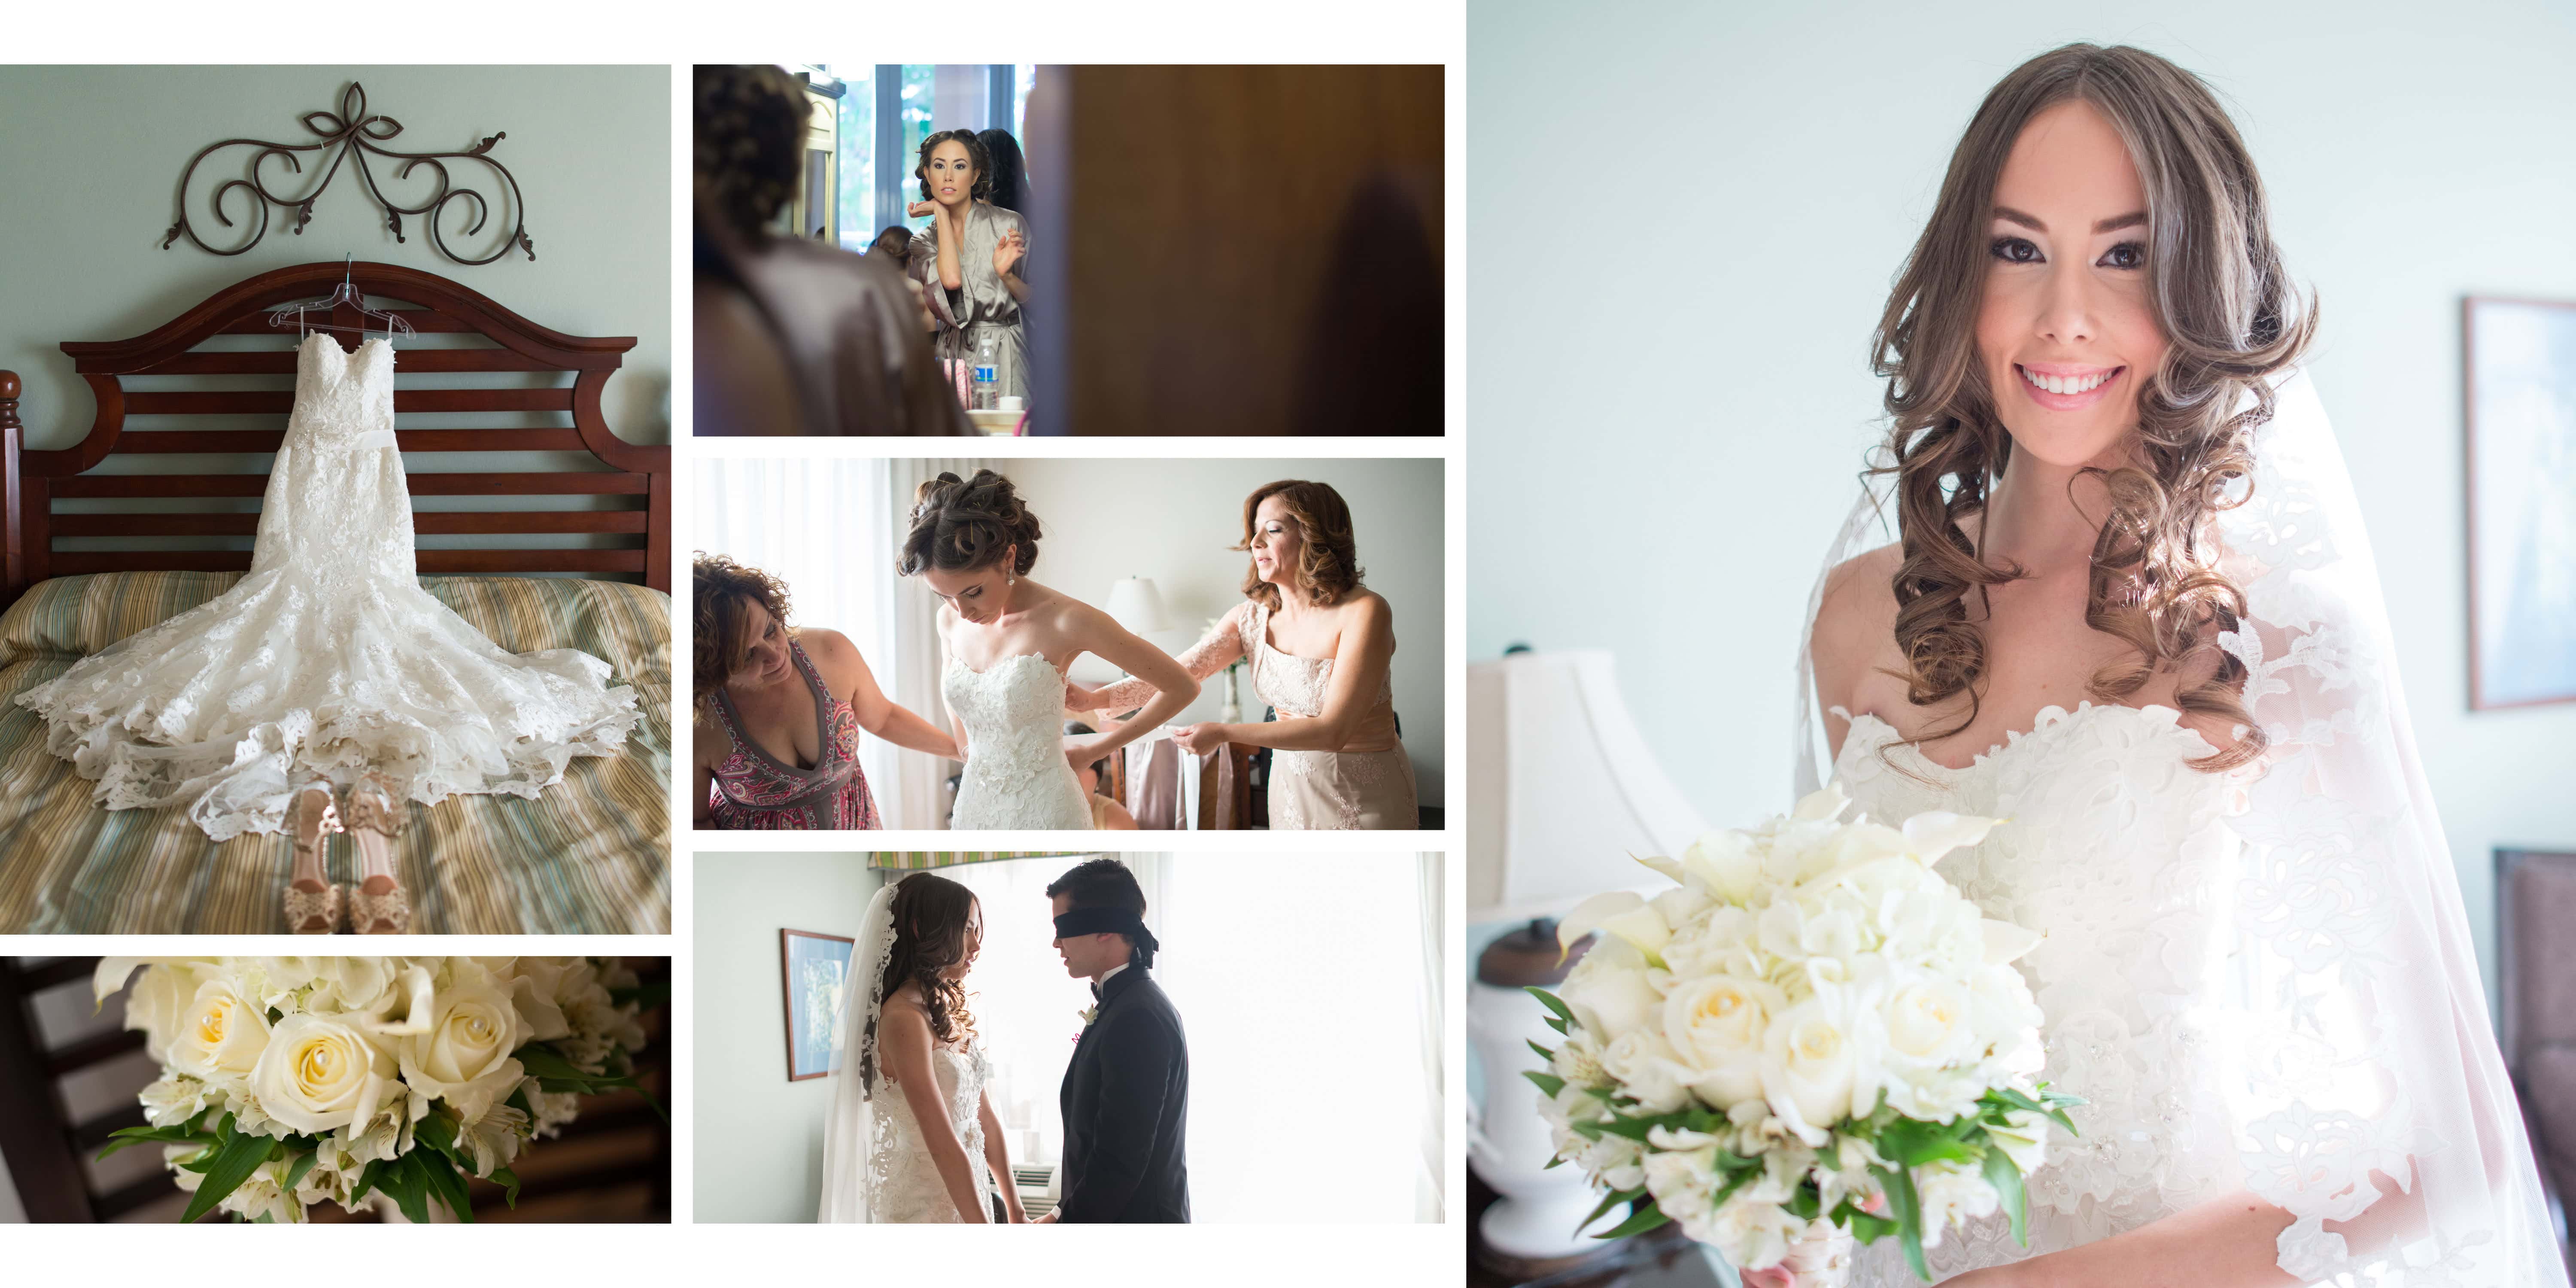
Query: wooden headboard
[{"x": 32, "y": 481}]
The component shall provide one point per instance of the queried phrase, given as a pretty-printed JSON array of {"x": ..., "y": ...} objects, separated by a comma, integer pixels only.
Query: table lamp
[{"x": 1561, "y": 791}]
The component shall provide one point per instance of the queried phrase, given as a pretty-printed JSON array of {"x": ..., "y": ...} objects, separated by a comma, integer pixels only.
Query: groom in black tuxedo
[{"x": 1126, "y": 1096}]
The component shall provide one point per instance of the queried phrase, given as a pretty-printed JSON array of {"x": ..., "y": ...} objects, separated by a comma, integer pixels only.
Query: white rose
[
  {"x": 1932, "y": 1022},
  {"x": 1819, "y": 1063},
  {"x": 1796, "y": 933},
  {"x": 463, "y": 1057},
  {"x": 320, "y": 1074},
  {"x": 1609, "y": 1000},
  {"x": 158, "y": 1001},
  {"x": 1717, "y": 1027},
  {"x": 407, "y": 1006},
  {"x": 221, "y": 1034},
  {"x": 359, "y": 984},
  {"x": 540, "y": 988}
]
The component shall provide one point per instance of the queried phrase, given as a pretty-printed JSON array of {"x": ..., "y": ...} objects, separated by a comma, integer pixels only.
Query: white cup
[{"x": 1010, "y": 402}]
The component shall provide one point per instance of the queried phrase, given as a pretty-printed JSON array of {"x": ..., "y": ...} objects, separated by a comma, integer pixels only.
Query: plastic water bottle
[{"x": 988, "y": 372}]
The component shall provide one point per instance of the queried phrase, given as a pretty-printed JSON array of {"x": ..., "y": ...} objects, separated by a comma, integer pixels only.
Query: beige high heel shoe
[
  {"x": 313, "y": 902},
  {"x": 378, "y": 905}
]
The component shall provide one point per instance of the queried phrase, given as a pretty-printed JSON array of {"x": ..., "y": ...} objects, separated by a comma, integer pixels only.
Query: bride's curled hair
[
  {"x": 2231, "y": 319},
  {"x": 932, "y": 916},
  {"x": 959, "y": 525}
]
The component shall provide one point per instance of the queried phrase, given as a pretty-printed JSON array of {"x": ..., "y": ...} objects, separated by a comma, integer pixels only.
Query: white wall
[
  {"x": 759, "y": 1136},
  {"x": 1174, "y": 521},
  {"x": 1724, "y": 192},
  {"x": 94, "y": 156}
]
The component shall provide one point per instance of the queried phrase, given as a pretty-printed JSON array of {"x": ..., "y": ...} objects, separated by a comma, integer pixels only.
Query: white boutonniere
[{"x": 1089, "y": 1014}]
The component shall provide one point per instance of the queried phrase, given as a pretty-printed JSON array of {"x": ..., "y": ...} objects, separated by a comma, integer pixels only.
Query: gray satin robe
[{"x": 981, "y": 305}]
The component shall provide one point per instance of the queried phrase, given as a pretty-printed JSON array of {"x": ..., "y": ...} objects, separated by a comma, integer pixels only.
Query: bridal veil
[
  {"x": 2358, "y": 1033},
  {"x": 853, "y": 1133}
]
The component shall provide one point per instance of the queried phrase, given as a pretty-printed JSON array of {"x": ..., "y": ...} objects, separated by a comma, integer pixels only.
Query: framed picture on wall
[
  {"x": 2521, "y": 393},
  {"x": 816, "y": 968}
]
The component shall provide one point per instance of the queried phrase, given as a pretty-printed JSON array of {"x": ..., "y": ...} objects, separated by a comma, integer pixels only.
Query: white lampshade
[
  {"x": 1136, "y": 605},
  {"x": 1561, "y": 789}
]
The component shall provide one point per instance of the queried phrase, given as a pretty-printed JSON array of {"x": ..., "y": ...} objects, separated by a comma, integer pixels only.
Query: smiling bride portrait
[{"x": 2107, "y": 585}]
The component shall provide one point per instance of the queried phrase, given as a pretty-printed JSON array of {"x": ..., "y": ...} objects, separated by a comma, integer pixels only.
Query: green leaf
[
  {"x": 1909, "y": 1143},
  {"x": 368, "y": 1178},
  {"x": 1558, "y": 1025},
  {"x": 1609, "y": 1201},
  {"x": 1588, "y": 1131},
  {"x": 440, "y": 1181},
  {"x": 1864, "y": 1226},
  {"x": 1543, "y": 1052},
  {"x": 128, "y": 1137},
  {"x": 1641, "y": 1218},
  {"x": 1547, "y": 1082},
  {"x": 1906, "y": 1208},
  {"x": 2054, "y": 1107},
  {"x": 1633, "y": 1128},
  {"x": 1804, "y": 1204},
  {"x": 1548, "y": 1000},
  {"x": 2006, "y": 1179},
  {"x": 509, "y": 1183},
  {"x": 231, "y": 1164},
  {"x": 295, "y": 1173},
  {"x": 408, "y": 1186},
  {"x": 1555, "y": 1161}
]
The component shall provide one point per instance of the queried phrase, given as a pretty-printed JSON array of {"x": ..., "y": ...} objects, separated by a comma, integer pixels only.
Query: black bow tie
[{"x": 1095, "y": 992}]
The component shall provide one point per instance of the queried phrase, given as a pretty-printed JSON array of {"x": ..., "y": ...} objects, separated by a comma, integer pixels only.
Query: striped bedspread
[{"x": 590, "y": 856}]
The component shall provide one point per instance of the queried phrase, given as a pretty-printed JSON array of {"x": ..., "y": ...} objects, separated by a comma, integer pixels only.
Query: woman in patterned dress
[
  {"x": 1320, "y": 645},
  {"x": 779, "y": 710}
]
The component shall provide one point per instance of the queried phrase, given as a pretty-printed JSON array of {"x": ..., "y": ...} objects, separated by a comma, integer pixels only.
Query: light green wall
[
  {"x": 759, "y": 1136},
  {"x": 93, "y": 158}
]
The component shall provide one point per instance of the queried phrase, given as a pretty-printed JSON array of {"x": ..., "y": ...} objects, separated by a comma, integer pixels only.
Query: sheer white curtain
[
  {"x": 1027, "y": 1010},
  {"x": 829, "y": 529},
  {"x": 1309, "y": 1000}
]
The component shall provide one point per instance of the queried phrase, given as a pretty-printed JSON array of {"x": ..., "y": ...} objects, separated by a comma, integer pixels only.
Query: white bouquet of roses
[
  {"x": 287, "y": 1081},
  {"x": 1814, "y": 1033}
]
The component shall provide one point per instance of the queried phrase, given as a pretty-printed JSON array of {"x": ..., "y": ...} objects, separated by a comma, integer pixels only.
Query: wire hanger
[{"x": 348, "y": 293}]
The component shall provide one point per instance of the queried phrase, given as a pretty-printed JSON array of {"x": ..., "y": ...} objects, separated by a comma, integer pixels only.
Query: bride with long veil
[
  {"x": 910, "y": 1136},
  {"x": 2112, "y": 584}
]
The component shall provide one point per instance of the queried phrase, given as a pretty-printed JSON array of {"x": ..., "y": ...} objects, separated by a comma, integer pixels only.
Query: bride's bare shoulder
[{"x": 1855, "y": 626}]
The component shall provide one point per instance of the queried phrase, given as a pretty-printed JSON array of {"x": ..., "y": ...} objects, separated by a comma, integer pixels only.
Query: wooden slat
[
  {"x": 126, "y": 1198},
  {"x": 150, "y": 441},
  {"x": 253, "y": 402},
  {"x": 95, "y": 1133},
  {"x": 281, "y": 362},
  {"x": 72, "y": 563},
  {"x": 557, "y": 483},
  {"x": 55, "y": 973},
  {"x": 420, "y": 319},
  {"x": 95, "y": 1050},
  {"x": 440, "y": 523}
]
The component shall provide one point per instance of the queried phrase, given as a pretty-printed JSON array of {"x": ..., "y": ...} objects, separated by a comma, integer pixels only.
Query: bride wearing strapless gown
[
  {"x": 2110, "y": 491},
  {"x": 1008, "y": 641}
]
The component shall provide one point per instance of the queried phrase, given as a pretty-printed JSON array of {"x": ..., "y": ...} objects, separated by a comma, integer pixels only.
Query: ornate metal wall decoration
[{"x": 357, "y": 136}]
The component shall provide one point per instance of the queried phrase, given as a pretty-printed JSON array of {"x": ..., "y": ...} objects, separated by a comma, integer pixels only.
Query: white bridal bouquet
[
  {"x": 1814, "y": 1031},
  {"x": 287, "y": 1081}
]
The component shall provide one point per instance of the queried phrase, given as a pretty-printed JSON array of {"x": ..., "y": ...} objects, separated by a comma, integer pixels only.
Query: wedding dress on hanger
[
  {"x": 1016, "y": 774},
  {"x": 2259, "y": 980},
  {"x": 876, "y": 1162},
  {"x": 327, "y": 658}
]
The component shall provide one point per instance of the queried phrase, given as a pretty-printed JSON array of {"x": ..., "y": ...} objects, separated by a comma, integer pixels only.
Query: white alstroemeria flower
[
  {"x": 2024, "y": 1141},
  {"x": 1952, "y": 1193},
  {"x": 1645, "y": 1067},
  {"x": 174, "y": 1099},
  {"x": 1752, "y": 1231}
]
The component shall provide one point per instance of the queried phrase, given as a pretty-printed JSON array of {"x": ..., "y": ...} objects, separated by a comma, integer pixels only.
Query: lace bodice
[
  {"x": 907, "y": 1184},
  {"x": 1016, "y": 772},
  {"x": 327, "y": 658},
  {"x": 2115, "y": 849}
]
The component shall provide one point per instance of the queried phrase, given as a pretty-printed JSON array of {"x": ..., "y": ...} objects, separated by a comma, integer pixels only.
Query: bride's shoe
[
  {"x": 379, "y": 905},
  {"x": 312, "y": 901}
]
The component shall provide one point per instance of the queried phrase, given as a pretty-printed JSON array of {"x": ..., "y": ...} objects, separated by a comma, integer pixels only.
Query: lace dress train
[{"x": 327, "y": 658}]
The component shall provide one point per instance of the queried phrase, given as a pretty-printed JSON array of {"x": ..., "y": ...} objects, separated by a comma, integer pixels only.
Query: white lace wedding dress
[
  {"x": 2114, "y": 848},
  {"x": 2261, "y": 980},
  {"x": 907, "y": 1187},
  {"x": 328, "y": 658},
  {"x": 1016, "y": 772}
]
